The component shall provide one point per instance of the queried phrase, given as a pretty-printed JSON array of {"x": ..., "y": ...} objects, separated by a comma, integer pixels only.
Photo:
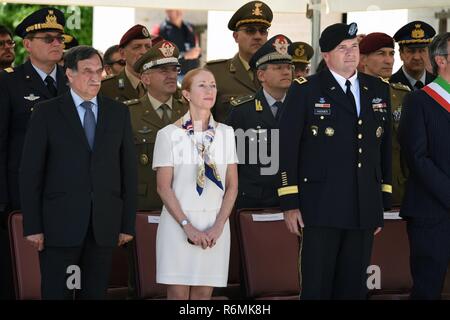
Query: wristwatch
[{"x": 184, "y": 222}]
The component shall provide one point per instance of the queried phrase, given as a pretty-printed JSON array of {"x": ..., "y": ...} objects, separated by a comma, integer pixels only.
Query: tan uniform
[
  {"x": 145, "y": 123},
  {"x": 399, "y": 168},
  {"x": 119, "y": 87},
  {"x": 232, "y": 80}
]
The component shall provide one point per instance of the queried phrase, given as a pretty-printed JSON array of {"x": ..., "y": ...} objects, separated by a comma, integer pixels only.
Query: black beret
[
  {"x": 415, "y": 34},
  {"x": 45, "y": 19},
  {"x": 274, "y": 51},
  {"x": 335, "y": 34},
  {"x": 254, "y": 12}
]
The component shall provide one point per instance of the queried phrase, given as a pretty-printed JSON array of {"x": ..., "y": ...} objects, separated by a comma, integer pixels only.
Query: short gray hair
[{"x": 438, "y": 47}]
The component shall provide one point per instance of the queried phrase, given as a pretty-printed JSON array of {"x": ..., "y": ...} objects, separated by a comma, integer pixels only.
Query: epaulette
[
  {"x": 109, "y": 76},
  {"x": 9, "y": 70},
  {"x": 400, "y": 86},
  {"x": 301, "y": 80},
  {"x": 242, "y": 99},
  {"x": 384, "y": 80},
  {"x": 131, "y": 102},
  {"x": 216, "y": 61}
]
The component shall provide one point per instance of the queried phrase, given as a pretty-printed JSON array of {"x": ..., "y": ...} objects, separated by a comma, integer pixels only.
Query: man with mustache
[
  {"x": 413, "y": 39},
  {"x": 377, "y": 59},
  {"x": 335, "y": 168},
  {"x": 234, "y": 77},
  {"x": 257, "y": 116},
  {"x": 127, "y": 85},
  {"x": 78, "y": 181},
  {"x": 7, "y": 44},
  {"x": 21, "y": 88}
]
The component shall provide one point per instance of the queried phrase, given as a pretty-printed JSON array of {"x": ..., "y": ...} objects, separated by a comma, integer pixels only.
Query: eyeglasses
[
  {"x": 49, "y": 39},
  {"x": 10, "y": 43},
  {"x": 120, "y": 62},
  {"x": 251, "y": 31}
]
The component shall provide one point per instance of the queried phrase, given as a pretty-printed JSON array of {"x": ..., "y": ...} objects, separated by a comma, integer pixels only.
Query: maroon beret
[
  {"x": 375, "y": 41},
  {"x": 136, "y": 32}
]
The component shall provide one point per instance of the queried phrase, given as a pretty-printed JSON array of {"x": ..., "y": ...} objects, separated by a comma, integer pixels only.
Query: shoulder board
[
  {"x": 216, "y": 61},
  {"x": 384, "y": 80},
  {"x": 301, "y": 80},
  {"x": 242, "y": 99},
  {"x": 400, "y": 86},
  {"x": 9, "y": 70},
  {"x": 131, "y": 102},
  {"x": 109, "y": 76}
]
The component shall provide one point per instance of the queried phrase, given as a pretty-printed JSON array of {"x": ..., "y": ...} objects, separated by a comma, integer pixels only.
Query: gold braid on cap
[
  {"x": 51, "y": 22},
  {"x": 248, "y": 21},
  {"x": 415, "y": 41}
]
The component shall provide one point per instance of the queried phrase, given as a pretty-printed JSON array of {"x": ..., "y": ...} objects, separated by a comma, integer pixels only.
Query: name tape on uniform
[
  {"x": 153, "y": 219},
  {"x": 392, "y": 215}
]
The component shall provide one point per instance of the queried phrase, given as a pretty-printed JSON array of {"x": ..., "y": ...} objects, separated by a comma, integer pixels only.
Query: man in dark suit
[
  {"x": 413, "y": 39},
  {"x": 254, "y": 117},
  {"x": 335, "y": 167},
  {"x": 425, "y": 141},
  {"x": 78, "y": 180},
  {"x": 38, "y": 79}
]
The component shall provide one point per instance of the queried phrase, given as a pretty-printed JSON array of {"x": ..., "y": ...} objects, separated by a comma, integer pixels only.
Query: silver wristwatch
[{"x": 184, "y": 222}]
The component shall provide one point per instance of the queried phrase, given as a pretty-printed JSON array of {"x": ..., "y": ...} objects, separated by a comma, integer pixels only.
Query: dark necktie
[
  {"x": 276, "y": 109},
  {"x": 418, "y": 85},
  {"x": 165, "y": 109},
  {"x": 50, "y": 83},
  {"x": 350, "y": 95},
  {"x": 89, "y": 122}
]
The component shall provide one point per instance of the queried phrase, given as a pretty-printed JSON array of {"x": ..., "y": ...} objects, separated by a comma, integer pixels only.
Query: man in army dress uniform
[
  {"x": 127, "y": 84},
  {"x": 301, "y": 53},
  {"x": 158, "y": 69},
  {"x": 377, "y": 59},
  {"x": 21, "y": 88},
  {"x": 254, "y": 116},
  {"x": 335, "y": 168},
  {"x": 234, "y": 77},
  {"x": 413, "y": 39}
]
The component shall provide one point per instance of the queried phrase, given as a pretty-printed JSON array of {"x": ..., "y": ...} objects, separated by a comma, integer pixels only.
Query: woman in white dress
[{"x": 196, "y": 165}]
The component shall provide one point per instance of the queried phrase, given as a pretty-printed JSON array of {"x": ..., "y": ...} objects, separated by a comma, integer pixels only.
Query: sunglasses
[
  {"x": 50, "y": 39},
  {"x": 120, "y": 62},
  {"x": 252, "y": 30},
  {"x": 10, "y": 43}
]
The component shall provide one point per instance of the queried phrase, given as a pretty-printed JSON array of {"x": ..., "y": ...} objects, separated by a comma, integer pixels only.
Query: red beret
[
  {"x": 136, "y": 32},
  {"x": 375, "y": 41}
]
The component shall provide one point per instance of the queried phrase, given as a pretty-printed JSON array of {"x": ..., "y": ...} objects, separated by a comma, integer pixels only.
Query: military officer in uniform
[
  {"x": 127, "y": 85},
  {"x": 21, "y": 88},
  {"x": 335, "y": 167},
  {"x": 377, "y": 59},
  {"x": 413, "y": 39},
  {"x": 162, "y": 105},
  {"x": 234, "y": 78},
  {"x": 301, "y": 53},
  {"x": 425, "y": 141},
  {"x": 254, "y": 116}
]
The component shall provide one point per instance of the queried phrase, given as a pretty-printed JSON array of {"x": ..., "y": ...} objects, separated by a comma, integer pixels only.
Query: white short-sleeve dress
[{"x": 177, "y": 261}]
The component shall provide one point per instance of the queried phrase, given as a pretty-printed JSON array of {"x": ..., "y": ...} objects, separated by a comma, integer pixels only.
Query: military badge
[
  {"x": 379, "y": 132},
  {"x": 31, "y": 97},
  {"x": 167, "y": 49},
  {"x": 329, "y": 131},
  {"x": 397, "y": 114},
  {"x": 143, "y": 159},
  {"x": 144, "y": 130},
  {"x": 257, "y": 11},
  {"x": 314, "y": 130},
  {"x": 281, "y": 45}
]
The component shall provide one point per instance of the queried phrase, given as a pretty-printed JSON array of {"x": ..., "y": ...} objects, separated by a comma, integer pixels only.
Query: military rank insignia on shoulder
[
  {"x": 384, "y": 80},
  {"x": 301, "y": 80},
  {"x": 241, "y": 100},
  {"x": 9, "y": 70},
  {"x": 131, "y": 102},
  {"x": 109, "y": 76},
  {"x": 400, "y": 86}
]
